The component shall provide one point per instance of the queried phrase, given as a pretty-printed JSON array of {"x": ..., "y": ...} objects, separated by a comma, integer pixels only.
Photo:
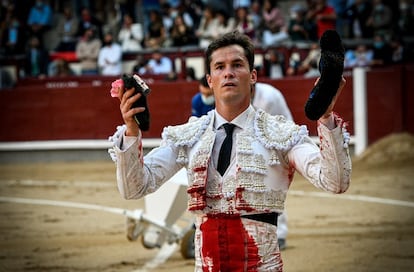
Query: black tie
[{"x": 225, "y": 150}]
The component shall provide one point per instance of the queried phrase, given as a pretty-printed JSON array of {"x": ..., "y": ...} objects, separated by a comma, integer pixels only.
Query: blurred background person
[
  {"x": 406, "y": 18},
  {"x": 357, "y": 15},
  {"x": 382, "y": 52},
  {"x": 130, "y": 35},
  {"x": 274, "y": 26},
  {"x": 181, "y": 34},
  {"x": 203, "y": 101},
  {"x": 39, "y": 20},
  {"x": 361, "y": 56},
  {"x": 323, "y": 15},
  {"x": 207, "y": 29},
  {"x": 157, "y": 64},
  {"x": 271, "y": 100},
  {"x": 87, "y": 51},
  {"x": 12, "y": 37},
  {"x": 245, "y": 23},
  {"x": 313, "y": 54},
  {"x": 274, "y": 64},
  {"x": 225, "y": 22},
  {"x": 156, "y": 33},
  {"x": 87, "y": 20},
  {"x": 297, "y": 28},
  {"x": 381, "y": 20},
  {"x": 60, "y": 68},
  {"x": 399, "y": 51},
  {"x": 67, "y": 30},
  {"x": 37, "y": 59},
  {"x": 110, "y": 57}
]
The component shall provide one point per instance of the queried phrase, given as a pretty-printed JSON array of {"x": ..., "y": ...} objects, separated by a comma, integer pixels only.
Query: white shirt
[
  {"x": 110, "y": 60},
  {"x": 164, "y": 66},
  {"x": 271, "y": 100},
  {"x": 131, "y": 38}
]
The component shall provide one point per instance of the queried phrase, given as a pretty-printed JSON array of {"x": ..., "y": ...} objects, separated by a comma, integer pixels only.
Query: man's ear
[
  {"x": 253, "y": 77},
  {"x": 208, "y": 77}
]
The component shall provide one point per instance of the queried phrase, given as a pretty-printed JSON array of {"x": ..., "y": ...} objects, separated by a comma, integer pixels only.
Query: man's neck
[{"x": 230, "y": 113}]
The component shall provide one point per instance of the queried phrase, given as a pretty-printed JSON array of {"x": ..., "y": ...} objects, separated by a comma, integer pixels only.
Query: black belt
[{"x": 270, "y": 218}]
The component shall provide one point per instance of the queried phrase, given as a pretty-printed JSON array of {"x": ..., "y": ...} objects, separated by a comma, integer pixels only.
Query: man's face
[
  {"x": 157, "y": 57},
  {"x": 230, "y": 77}
]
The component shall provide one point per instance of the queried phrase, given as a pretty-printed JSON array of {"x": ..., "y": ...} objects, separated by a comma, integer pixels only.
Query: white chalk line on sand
[
  {"x": 363, "y": 198},
  {"x": 163, "y": 254},
  {"x": 168, "y": 249}
]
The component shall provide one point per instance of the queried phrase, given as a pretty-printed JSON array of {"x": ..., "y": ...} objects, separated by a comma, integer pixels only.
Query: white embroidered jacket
[{"x": 268, "y": 151}]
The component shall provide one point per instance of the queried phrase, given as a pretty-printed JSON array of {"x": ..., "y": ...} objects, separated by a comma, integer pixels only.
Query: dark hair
[
  {"x": 203, "y": 81},
  {"x": 231, "y": 38}
]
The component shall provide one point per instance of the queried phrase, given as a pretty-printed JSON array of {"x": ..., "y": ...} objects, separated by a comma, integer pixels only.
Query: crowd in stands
[{"x": 98, "y": 37}]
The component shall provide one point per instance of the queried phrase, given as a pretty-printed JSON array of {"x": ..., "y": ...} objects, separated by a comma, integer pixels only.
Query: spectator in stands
[
  {"x": 256, "y": 15},
  {"x": 297, "y": 27},
  {"x": 185, "y": 9},
  {"x": 314, "y": 54},
  {"x": 382, "y": 51},
  {"x": 6, "y": 11},
  {"x": 225, "y": 23},
  {"x": 381, "y": 20},
  {"x": 274, "y": 64},
  {"x": 340, "y": 7},
  {"x": 203, "y": 101},
  {"x": 110, "y": 57},
  {"x": 294, "y": 63},
  {"x": 12, "y": 37},
  {"x": 60, "y": 68},
  {"x": 168, "y": 14},
  {"x": 131, "y": 35},
  {"x": 207, "y": 29},
  {"x": 156, "y": 33},
  {"x": 6, "y": 79},
  {"x": 245, "y": 23},
  {"x": 357, "y": 15},
  {"x": 361, "y": 56},
  {"x": 37, "y": 59},
  {"x": 190, "y": 74},
  {"x": 406, "y": 18},
  {"x": 127, "y": 7},
  {"x": 274, "y": 27},
  {"x": 113, "y": 23},
  {"x": 40, "y": 19},
  {"x": 313, "y": 70},
  {"x": 182, "y": 34},
  {"x": 87, "y": 20},
  {"x": 158, "y": 64},
  {"x": 87, "y": 51},
  {"x": 399, "y": 50},
  {"x": 67, "y": 30},
  {"x": 323, "y": 15}
]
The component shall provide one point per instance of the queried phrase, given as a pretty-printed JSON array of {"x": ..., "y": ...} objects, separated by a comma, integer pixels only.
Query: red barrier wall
[{"x": 81, "y": 107}]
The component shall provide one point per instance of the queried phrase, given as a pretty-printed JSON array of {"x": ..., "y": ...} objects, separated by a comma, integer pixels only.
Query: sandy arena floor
[{"x": 369, "y": 228}]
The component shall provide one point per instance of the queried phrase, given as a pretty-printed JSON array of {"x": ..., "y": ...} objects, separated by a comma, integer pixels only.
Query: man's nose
[{"x": 228, "y": 71}]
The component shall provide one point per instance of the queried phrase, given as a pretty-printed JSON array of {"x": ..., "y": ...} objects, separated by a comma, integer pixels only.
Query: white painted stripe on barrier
[
  {"x": 68, "y": 144},
  {"x": 364, "y": 198}
]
